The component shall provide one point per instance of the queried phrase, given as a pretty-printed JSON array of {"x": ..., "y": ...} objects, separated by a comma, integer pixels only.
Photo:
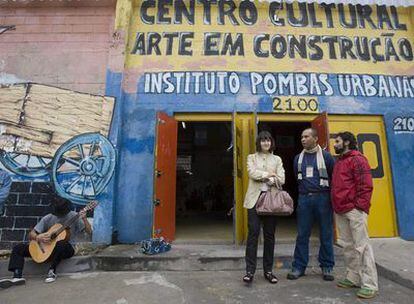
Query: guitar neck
[{"x": 67, "y": 224}]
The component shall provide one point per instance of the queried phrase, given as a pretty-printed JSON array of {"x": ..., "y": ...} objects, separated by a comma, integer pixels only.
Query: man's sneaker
[
  {"x": 6, "y": 283},
  {"x": 345, "y": 283},
  {"x": 366, "y": 293},
  {"x": 51, "y": 276},
  {"x": 295, "y": 274},
  {"x": 327, "y": 274}
]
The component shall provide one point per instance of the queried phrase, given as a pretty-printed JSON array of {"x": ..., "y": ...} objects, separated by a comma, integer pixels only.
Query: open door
[
  {"x": 165, "y": 177},
  {"x": 320, "y": 124},
  {"x": 244, "y": 138}
]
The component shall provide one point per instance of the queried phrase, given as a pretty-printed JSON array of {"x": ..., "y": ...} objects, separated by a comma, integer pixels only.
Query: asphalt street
[{"x": 190, "y": 287}]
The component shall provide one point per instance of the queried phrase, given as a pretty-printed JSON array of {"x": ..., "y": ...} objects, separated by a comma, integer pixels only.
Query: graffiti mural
[{"x": 46, "y": 130}]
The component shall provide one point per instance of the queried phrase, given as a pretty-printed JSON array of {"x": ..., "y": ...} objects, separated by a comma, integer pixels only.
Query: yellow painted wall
[
  {"x": 381, "y": 220},
  {"x": 250, "y": 62}
]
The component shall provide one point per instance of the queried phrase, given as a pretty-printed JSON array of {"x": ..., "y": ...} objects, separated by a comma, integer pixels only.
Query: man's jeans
[{"x": 316, "y": 207}]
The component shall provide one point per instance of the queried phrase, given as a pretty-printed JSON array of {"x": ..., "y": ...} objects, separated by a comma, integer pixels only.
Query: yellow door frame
[
  {"x": 285, "y": 117},
  {"x": 244, "y": 141},
  {"x": 204, "y": 117}
]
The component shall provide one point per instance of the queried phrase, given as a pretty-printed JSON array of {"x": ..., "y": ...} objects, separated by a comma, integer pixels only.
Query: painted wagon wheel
[
  {"x": 26, "y": 164},
  {"x": 83, "y": 166}
]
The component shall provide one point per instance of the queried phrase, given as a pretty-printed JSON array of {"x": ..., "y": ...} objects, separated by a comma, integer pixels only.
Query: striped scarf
[{"x": 320, "y": 161}]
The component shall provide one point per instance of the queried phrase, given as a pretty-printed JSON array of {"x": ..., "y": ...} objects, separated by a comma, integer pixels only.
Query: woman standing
[{"x": 265, "y": 170}]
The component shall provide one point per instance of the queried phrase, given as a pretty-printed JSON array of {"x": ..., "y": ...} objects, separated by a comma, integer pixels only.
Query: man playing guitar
[{"x": 63, "y": 250}]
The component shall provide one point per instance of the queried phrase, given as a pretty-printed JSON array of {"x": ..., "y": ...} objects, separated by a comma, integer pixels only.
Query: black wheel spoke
[
  {"x": 92, "y": 148},
  {"x": 73, "y": 184},
  {"x": 83, "y": 186},
  {"x": 80, "y": 148},
  {"x": 98, "y": 181},
  {"x": 41, "y": 161},
  {"x": 71, "y": 161},
  {"x": 93, "y": 185},
  {"x": 99, "y": 158},
  {"x": 100, "y": 174}
]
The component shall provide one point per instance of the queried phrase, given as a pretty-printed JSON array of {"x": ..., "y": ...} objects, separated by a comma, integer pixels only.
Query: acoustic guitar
[{"x": 40, "y": 251}]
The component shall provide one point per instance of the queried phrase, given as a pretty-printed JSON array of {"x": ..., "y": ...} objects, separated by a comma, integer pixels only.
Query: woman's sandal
[
  {"x": 248, "y": 278},
  {"x": 271, "y": 277}
]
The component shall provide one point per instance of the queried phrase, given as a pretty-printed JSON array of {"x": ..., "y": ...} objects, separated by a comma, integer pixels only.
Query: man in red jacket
[{"x": 351, "y": 199}]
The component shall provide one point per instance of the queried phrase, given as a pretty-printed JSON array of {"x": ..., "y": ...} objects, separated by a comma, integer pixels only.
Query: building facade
[{"x": 239, "y": 67}]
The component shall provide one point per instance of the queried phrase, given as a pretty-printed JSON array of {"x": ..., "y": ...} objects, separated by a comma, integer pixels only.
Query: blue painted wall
[
  {"x": 134, "y": 183},
  {"x": 104, "y": 219},
  {"x": 134, "y": 214},
  {"x": 401, "y": 150}
]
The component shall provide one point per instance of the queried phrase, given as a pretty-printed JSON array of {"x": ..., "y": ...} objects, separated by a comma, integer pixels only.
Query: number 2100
[
  {"x": 295, "y": 104},
  {"x": 404, "y": 124}
]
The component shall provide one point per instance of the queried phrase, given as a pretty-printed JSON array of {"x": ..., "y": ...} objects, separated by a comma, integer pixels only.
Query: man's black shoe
[
  {"x": 6, "y": 283},
  {"x": 327, "y": 274},
  {"x": 295, "y": 274}
]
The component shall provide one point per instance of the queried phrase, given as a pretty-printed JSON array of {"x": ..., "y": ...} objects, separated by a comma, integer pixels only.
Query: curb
[
  {"x": 152, "y": 263},
  {"x": 74, "y": 264},
  {"x": 395, "y": 277},
  {"x": 183, "y": 258}
]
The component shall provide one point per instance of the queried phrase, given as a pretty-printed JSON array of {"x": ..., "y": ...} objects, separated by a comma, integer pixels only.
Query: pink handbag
[{"x": 274, "y": 202}]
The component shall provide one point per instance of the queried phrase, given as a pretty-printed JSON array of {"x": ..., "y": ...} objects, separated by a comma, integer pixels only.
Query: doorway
[
  {"x": 211, "y": 168},
  {"x": 204, "y": 188},
  {"x": 287, "y": 137}
]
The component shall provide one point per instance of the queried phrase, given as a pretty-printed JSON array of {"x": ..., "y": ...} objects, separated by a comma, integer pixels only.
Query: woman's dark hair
[
  {"x": 61, "y": 206},
  {"x": 262, "y": 136},
  {"x": 348, "y": 136}
]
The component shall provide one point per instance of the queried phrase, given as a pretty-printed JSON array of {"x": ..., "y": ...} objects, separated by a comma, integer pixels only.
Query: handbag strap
[{"x": 278, "y": 185}]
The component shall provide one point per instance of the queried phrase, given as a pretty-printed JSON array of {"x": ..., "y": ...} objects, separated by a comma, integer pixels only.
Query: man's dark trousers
[
  {"x": 63, "y": 250},
  {"x": 314, "y": 207}
]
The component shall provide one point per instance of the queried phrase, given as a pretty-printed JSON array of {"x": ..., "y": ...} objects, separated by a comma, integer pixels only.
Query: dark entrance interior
[
  {"x": 287, "y": 137},
  {"x": 204, "y": 182}
]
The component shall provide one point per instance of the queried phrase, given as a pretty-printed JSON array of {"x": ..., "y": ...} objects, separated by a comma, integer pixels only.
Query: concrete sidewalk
[
  {"x": 394, "y": 258},
  {"x": 198, "y": 258},
  {"x": 180, "y": 258}
]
